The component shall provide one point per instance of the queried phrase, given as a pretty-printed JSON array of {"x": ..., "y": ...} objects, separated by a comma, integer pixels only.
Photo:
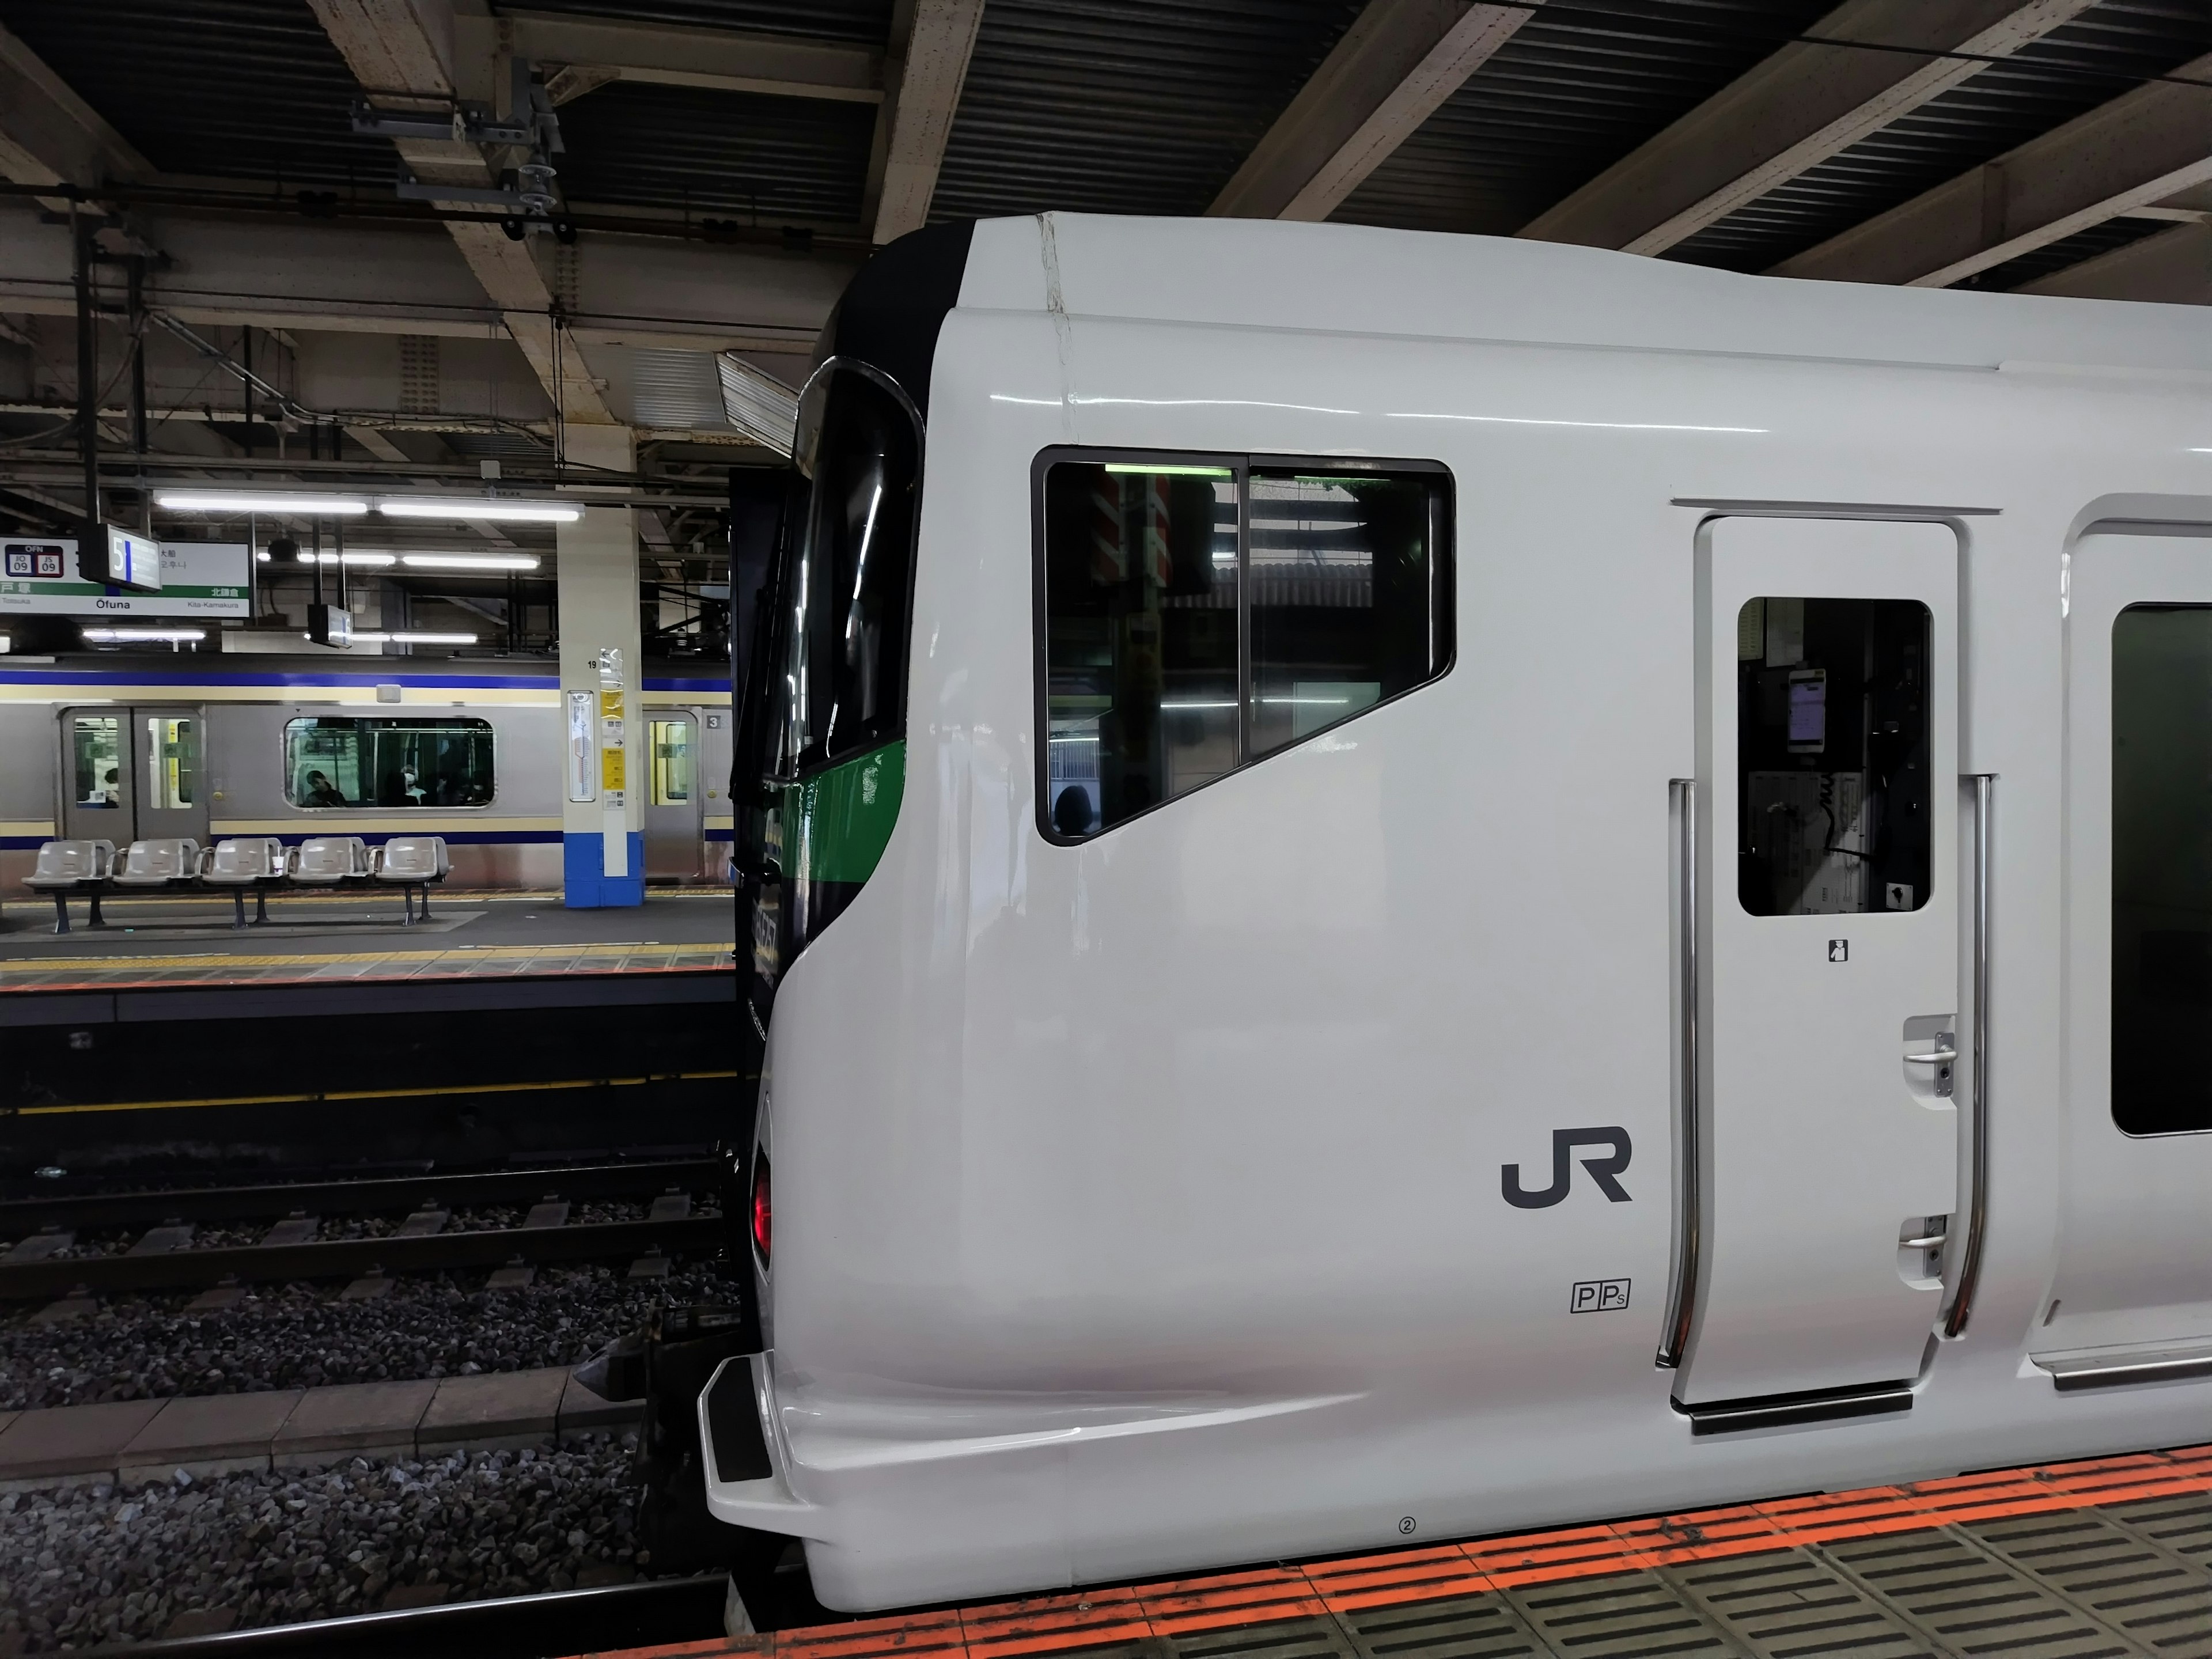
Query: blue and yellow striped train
[{"x": 123, "y": 747}]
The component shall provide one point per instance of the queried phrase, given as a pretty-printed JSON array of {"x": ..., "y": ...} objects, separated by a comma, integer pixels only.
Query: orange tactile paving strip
[{"x": 1265, "y": 1596}]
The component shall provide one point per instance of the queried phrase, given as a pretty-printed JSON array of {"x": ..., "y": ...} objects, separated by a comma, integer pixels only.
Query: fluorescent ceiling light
[
  {"x": 470, "y": 561},
  {"x": 377, "y": 559},
  {"x": 1170, "y": 471},
  {"x": 407, "y": 639},
  {"x": 224, "y": 500},
  {"x": 116, "y": 635},
  {"x": 456, "y": 511}
]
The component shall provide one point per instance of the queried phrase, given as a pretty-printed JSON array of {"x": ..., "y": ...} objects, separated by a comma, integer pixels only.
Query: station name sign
[{"x": 41, "y": 576}]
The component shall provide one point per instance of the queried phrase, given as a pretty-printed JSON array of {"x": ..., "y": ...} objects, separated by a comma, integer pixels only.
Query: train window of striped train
[{"x": 346, "y": 761}]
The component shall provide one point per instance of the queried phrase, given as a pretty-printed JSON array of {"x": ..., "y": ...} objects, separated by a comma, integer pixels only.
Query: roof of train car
[
  {"x": 1360, "y": 279},
  {"x": 459, "y": 673}
]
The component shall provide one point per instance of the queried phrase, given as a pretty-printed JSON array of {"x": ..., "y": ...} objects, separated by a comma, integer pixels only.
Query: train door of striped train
[
  {"x": 1827, "y": 958},
  {"x": 134, "y": 773},
  {"x": 675, "y": 804},
  {"x": 2132, "y": 1297}
]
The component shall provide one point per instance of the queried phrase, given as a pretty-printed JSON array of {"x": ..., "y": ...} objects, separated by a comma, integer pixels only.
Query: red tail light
[{"x": 761, "y": 1229}]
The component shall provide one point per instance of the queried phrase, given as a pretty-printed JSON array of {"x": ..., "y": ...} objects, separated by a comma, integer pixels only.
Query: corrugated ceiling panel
[
  {"x": 234, "y": 89},
  {"x": 2108, "y": 50},
  {"x": 2112, "y": 235},
  {"x": 718, "y": 153},
  {"x": 1582, "y": 83},
  {"x": 1124, "y": 106}
]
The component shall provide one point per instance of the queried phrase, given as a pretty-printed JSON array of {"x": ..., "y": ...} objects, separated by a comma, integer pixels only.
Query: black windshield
[{"x": 843, "y": 608}]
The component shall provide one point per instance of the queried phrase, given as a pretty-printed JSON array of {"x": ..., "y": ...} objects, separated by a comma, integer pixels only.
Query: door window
[
  {"x": 172, "y": 762},
  {"x": 672, "y": 763},
  {"x": 2162, "y": 869},
  {"x": 96, "y": 760},
  {"x": 1832, "y": 755}
]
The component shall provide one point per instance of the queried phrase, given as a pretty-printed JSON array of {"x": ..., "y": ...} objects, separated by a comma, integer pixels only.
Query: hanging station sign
[{"x": 39, "y": 577}]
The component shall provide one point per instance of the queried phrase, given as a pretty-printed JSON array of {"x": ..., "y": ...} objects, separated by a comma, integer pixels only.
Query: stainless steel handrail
[
  {"x": 1977, "y": 1112},
  {"x": 1682, "y": 1294}
]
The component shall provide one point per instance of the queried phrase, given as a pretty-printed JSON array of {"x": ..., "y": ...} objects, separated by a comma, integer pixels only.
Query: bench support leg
[
  {"x": 61, "y": 914},
  {"x": 96, "y": 919},
  {"x": 426, "y": 902},
  {"x": 260, "y": 904},
  {"x": 238, "y": 908}
]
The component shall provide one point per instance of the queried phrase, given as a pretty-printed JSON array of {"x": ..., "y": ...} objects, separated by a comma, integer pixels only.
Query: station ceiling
[{"x": 724, "y": 165}]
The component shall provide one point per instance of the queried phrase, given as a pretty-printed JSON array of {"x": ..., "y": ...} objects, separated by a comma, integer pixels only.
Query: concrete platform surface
[
  {"x": 206, "y": 1434},
  {"x": 312, "y": 940},
  {"x": 352, "y": 1417},
  {"x": 493, "y": 1409},
  {"x": 2103, "y": 1558},
  {"x": 143, "y": 1440},
  {"x": 63, "y": 1440}
]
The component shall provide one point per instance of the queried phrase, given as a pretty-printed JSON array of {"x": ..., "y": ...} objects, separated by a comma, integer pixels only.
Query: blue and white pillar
[{"x": 603, "y": 725}]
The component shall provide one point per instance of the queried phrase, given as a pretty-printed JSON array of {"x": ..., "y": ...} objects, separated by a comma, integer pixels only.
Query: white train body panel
[{"x": 1139, "y": 1202}]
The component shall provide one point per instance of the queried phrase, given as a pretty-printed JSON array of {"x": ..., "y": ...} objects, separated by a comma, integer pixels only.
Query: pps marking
[{"x": 1598, "y": 1296}]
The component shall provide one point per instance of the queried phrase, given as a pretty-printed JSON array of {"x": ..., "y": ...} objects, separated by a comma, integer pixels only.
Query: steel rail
[
  {"x": 658, "y": 1612},
  {"x": 346, "y": 1257},
  {"x": 361, "y": 1197}
]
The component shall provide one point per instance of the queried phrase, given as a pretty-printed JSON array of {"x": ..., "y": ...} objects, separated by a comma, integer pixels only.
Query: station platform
[
  {"x": 317, "y": 939},
  {"x": 2081, "y": 1560}
]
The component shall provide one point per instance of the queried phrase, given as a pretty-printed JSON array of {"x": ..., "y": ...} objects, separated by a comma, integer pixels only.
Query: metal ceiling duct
[{"x": 758, "y": 404}]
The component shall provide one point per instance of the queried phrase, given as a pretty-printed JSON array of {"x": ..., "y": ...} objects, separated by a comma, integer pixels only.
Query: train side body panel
[{"x": 1139, "y": 1201}]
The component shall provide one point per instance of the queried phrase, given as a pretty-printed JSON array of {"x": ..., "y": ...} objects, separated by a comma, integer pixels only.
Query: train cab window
[
  {"x": 1343, "y": 611},
  {"x": 1197, "y": 615},
  {"x": 96, "y": 759},
  {"x": 1832, "y": 756},
  {"x": 2162, "y": 869},
  {"x": 377, "y": 763},
  {"x": 842, "y": 638}
]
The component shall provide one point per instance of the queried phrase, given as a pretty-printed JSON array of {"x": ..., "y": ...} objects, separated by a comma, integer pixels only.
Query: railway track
[
  {"x": 163, "y": 1257},
  {"x": 559, "y": 1622}
]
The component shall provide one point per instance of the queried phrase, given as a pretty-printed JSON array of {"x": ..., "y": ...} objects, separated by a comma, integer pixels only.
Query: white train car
[
  {"x": 1511, "y": 884},
  {"x": 119, "y": 746}
]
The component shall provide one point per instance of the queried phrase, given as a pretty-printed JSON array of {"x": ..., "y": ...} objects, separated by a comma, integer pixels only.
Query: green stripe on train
[{"x": 836, "y": 823}]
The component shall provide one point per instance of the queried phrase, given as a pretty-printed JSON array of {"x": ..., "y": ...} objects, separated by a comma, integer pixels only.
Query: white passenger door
[
  {"x": 1828, "y": 951},
  {"x": 2134, "y": 1268}
]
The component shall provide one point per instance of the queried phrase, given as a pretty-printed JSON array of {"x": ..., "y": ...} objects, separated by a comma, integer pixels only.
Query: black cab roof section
[{"x": 891, "y": 312}]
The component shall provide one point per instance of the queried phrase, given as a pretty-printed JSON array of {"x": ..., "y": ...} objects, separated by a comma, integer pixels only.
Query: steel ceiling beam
[
  {"x": 2173, "y": 268},
  {"x": 50, "y": 136},
  {"x": 1396, "y": 64},
  {"x": 590, "y": 52},
  {"x": 923, "y": 73},
  {"x": 406, "y": 49},
  {"x": 1872, "y": 62},
  {"x": 2143, "y": 146}
]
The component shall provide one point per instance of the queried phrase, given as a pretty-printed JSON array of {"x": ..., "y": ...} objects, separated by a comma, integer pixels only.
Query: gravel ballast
[
  {"x": 304, "y": 1336},
  {"x": 86, "y": 1565}
]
